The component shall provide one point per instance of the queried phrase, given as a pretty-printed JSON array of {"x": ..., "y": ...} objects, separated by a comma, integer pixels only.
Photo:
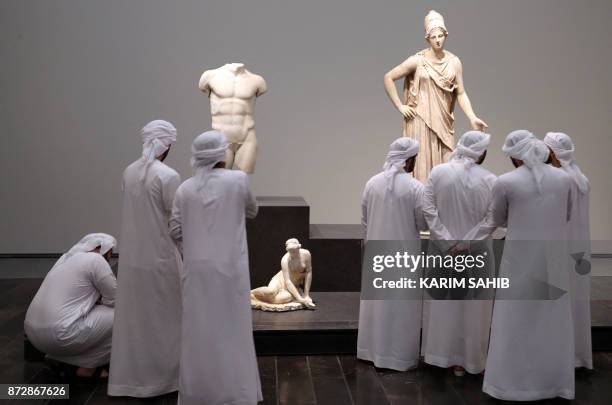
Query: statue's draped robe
[{"x": 431, "y": 91}]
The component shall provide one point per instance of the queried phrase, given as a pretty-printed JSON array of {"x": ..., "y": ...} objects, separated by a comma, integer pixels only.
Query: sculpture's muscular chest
[{"x": 226, "y": 85}]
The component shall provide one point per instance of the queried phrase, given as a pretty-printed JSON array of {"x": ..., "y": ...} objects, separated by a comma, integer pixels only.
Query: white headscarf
[
  {"x": 89, "y": 242},
  {"x": 522, "y": 144},
  {"x": 207, "y": 150},
  {"x": 434, "y": 20},
  {"x": 400, "y": 150},
  {"x": 563, "y": 147},
  {"x": 470, "y": 147},
  {"x": 157, "y": 136}
]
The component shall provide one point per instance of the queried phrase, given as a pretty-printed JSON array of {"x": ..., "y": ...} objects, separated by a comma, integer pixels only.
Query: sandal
[{"x": 96, "y": 376}]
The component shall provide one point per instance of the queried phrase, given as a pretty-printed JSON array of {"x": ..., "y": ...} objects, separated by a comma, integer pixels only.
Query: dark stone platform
[
  {"x": 335, "y": 310},
  {"x": 332, "y": 326},
  {"x": 329, "y": 329}
]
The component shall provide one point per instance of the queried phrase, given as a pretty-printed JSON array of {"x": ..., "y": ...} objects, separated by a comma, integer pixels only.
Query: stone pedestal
[
  {"x": 279, "y": 219},
  {"x": 336, "y": 257}
]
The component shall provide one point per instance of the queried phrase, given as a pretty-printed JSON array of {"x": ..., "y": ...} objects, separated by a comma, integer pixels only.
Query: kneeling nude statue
[{"x": 289, "y": 288}]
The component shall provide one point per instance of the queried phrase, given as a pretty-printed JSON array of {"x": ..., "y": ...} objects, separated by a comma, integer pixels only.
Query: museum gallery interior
[{"x": 341, "y": 202}]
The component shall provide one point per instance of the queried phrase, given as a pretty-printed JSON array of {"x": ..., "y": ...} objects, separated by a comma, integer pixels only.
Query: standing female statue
[{"x": 433, "y": 81}]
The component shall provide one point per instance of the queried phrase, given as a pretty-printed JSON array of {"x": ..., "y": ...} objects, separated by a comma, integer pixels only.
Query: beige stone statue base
[{"x": 265, "y": 306}]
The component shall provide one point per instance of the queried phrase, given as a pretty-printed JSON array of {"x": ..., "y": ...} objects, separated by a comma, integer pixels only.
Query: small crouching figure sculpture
[{"x": 289, "y": 288}]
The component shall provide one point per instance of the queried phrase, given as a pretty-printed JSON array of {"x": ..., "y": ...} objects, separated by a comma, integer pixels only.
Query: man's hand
[
  {"x": 459, "y": 248},
  {"x": 407, "y": 111}
]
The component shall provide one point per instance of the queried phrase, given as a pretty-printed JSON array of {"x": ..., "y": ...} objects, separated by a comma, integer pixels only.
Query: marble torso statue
[
  {"x": 289, "y": 288},
  {"x": 232, "y": 90}
]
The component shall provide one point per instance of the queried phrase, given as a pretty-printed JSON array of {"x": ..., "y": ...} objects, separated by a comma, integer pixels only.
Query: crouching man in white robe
[
  {"x": 531, "y": 351},
  {"x": 455, "y": 200},
  {"x": 390, "y": 330},
  {"x": 147, "y": 332},
  {"x": 70, "y": 318},
  {"x": 218, "y": 363},
  {"x": 579, "y": 237}
]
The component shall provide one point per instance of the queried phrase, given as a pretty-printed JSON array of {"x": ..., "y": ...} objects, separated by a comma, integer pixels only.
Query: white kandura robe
[
  {"x": 531, "y": 350},
  {"x": 218, "y": 362},
  {"x": 456, "y": 332},
  {"x": 579, "y": 236},
  {"x": 147, "y": 331},
  {"x": 389, "y": 331},
  {"x": 64, "y": 320}
]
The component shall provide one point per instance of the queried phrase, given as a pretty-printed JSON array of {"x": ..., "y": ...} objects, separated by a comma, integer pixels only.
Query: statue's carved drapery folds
[{"x": 433, "y": 84}]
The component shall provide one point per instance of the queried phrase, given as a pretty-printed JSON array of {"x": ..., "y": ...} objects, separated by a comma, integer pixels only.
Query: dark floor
[{"x": 290, "y": 380}]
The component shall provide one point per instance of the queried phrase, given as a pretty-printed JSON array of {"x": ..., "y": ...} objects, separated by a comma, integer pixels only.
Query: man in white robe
[
  {"x": 146, "y": 335},
  {"x": 390, "y": 330},
  {"x": 70, "y": 318},
  {"x": 218, "y": 363},
  {"x": 455, "y": 199},
  {"x": 531, "y": 350},
  {"x": 579, "y": 237}
]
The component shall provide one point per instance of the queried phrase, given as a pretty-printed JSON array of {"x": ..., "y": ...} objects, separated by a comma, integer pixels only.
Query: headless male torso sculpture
[{"x": 232, "y": 91}]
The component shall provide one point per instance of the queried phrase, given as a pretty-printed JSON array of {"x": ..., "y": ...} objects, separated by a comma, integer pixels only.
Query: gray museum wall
[{"x": 80, "y": 78}]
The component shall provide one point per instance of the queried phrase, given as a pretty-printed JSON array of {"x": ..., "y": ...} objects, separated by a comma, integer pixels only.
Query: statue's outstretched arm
[{"x": 464, "y": 102}]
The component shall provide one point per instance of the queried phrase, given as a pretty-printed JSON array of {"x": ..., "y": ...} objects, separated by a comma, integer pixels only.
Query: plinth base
[
  {"x": 266, "y": 306},
  {"x": 330, "y": 329}
]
